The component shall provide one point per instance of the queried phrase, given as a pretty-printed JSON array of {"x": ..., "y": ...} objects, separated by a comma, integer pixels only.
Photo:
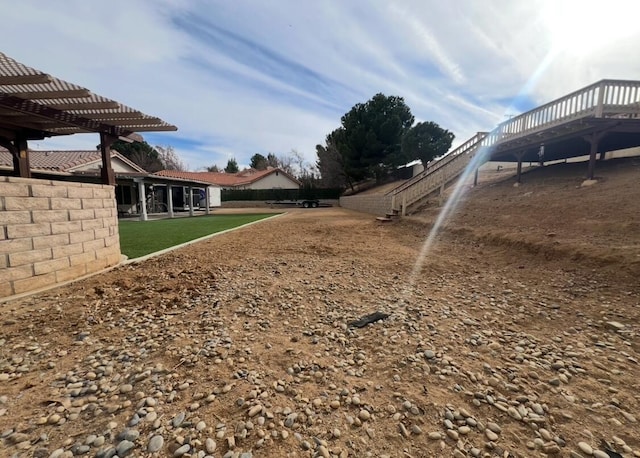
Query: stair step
[{"x": 383, "y": 219}]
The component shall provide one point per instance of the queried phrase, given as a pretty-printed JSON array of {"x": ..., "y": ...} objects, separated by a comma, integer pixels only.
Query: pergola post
[
  {"x": 108, "y": 176},
  {"x": 206, "y": 200},
  {"x": 170, "y": 200},
  {"x": 190, "y": 201},
  {"x": 143, "y": 201},
  {"x": 21, "y": 158}
]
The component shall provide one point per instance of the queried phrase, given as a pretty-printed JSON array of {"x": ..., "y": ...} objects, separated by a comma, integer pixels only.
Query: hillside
[{"x": 551, "y": 215}]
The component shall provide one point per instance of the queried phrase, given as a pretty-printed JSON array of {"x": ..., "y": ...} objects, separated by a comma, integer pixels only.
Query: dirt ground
[{"x": 517, "y": 337}]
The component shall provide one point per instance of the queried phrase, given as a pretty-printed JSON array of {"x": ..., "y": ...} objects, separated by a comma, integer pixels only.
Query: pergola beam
[
  {"x": 65, "y": 117},
  {"x": 66, "y": 94},
  {"x": 79, "y": 106},
  {"x": 12, "y": 80}
]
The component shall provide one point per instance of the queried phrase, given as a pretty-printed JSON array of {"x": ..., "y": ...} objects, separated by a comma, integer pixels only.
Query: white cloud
[{"x": 279, "y": 76}]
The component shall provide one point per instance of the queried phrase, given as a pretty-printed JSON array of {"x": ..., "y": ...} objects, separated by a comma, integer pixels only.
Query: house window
[{"x": 123, "y": 195}]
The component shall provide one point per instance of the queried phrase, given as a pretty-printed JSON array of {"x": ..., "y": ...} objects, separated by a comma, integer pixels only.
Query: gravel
[{"x": 253, "y": 356}]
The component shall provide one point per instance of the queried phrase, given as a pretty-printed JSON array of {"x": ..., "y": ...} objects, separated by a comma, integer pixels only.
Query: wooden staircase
[{"x": 435, "y": 177}]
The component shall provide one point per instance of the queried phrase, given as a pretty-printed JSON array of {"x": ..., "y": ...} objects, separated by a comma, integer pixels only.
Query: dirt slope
[{"x": 517, "y": 337}]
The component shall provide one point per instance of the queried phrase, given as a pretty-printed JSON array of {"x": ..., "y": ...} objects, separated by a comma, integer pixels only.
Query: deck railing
[
  {"x": 604, "y": 99},
  {"x": 437, "y": 174}
]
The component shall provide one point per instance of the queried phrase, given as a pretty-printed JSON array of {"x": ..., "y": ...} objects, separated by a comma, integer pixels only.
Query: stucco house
[
  {"x": 132, "y": 181},
  {"x": 270, "y": 178}
]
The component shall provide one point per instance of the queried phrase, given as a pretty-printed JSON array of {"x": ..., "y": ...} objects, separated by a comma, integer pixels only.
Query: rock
[
  {"x": 126, "y": 388},
  {"x": 155, "y": 444},
  {"x": 129, "y": 435},
  {"x": 124, "y": 447},
  {"x": 178, "y": 419},
  {"x": 290, "y": 420},
  {"x": 615, "y": 326},
  {"x": 434, "y": 436},
  {"x": 210, "y": 445},
  {"x": 490, "y": 435},
  {"x": 585, "y": 448},
  {"x": 182, "y": 450},
  {"x": 364, "y": 415}
]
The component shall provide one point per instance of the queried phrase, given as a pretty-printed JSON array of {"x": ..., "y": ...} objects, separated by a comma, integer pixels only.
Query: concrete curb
[{"x": 191, "y": 242}]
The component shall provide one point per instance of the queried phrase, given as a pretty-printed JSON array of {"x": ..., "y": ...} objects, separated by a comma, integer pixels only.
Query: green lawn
[{"x": 139, "y": 238}]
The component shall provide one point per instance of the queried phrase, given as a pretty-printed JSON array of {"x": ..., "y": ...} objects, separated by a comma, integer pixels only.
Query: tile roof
[
  {"x": 241, "y": 178},
  {"x": 62, "y": 161}
]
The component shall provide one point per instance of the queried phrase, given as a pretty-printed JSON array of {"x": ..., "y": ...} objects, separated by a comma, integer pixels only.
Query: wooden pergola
[{"x": 35, "y": 105}]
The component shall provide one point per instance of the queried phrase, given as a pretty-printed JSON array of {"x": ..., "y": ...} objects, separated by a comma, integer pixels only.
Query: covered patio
[{"x": 55, "y": 229}]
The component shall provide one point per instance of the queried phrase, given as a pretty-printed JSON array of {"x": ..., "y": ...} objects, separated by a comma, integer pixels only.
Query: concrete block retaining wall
[
  {"x": 374, "y": 204},
  {"x": 54, "y": 231}
]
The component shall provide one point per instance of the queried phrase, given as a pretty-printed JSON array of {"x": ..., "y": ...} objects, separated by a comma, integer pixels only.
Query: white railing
[
  {"x": 437, "y": 174},
  {"x": 605, "y": 99}
]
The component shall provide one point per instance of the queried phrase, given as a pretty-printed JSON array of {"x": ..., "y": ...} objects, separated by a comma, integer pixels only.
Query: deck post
[
  {"x": 475, "y": 177},
  {"x": 393, "y": 202},
  {"x": 206, "y": 200},
  {"x": 404, "y": 205},
  {"x": 142, "y": 195},
  {"x": 519, "y": 156},
  {"x": 170, "y": 200},
  {"x": 593, "y": 140}
]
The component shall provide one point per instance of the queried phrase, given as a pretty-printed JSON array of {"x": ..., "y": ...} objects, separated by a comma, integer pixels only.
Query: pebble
[
  {"x": 124, "y": 447},
  {"x": 155, "y": 444},
  {"x": 210, "y": 445},
  {"x": 184, "y": 449}
]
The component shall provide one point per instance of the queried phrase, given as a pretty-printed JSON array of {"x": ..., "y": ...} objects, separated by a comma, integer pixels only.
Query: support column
[
  {"x": 519, "y": 156},
  {"x": 404, "y": 205},
  {"x": 143, "y": 201},
  {"x": 170, "y": 200},
  {"x": 593, "y": 140},
  {"x": 206, "y": 200},
  {"x": 190, "y": 201},
  {"x": 475, "y": 178},
  {"x": 21, "y": 158},
  {"x": 108, "y": 176}
]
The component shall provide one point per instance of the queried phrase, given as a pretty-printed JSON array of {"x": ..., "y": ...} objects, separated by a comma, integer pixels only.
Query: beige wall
[
  {"x": 54, "y": 231},
  {"x": 116, "y": 164},
  {"x": 273, "y": 181},
  {"x": 372, "y": 203}
]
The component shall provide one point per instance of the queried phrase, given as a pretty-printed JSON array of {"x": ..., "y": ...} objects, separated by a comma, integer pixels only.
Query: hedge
[{"x": 279, "y": 194}]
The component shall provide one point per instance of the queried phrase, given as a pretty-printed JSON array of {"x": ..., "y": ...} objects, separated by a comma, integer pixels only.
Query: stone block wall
[
  {"x": 374, "y": 204},
  {"x": 54, "y": 231}
]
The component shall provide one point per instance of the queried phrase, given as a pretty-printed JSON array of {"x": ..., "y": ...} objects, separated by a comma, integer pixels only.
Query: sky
[{"x": 241, "y": 77}]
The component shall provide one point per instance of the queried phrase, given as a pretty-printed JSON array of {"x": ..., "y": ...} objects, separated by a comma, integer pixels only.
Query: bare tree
[{"x": 170, "y": 160}]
